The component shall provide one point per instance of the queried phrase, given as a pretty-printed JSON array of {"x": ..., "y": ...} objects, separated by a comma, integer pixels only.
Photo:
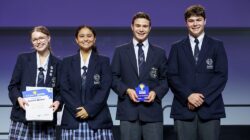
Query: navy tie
[
  {"x": 196, "y": 50},
  {"x": 141, "y": 58},
  {"x": 83, "y": 83},
  {"x": 40, "y": 79}
]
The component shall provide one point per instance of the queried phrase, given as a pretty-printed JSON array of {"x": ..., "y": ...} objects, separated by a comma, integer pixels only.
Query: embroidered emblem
[
  {"x": 96, "y": 79},
  {"x": 154, "y": 72},
  {"x": 209, "y": 62},
  {"x": 53, "y": 81}
]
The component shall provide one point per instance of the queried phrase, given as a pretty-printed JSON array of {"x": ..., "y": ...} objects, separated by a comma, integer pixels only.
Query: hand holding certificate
[{"x": 39, "y": 101}]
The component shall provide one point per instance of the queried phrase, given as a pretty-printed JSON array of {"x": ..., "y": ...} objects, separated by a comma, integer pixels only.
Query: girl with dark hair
[{"x": 85, "y": 85}]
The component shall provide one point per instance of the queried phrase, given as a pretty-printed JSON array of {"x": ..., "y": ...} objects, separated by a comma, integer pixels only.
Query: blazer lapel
[
  {"x": 204, "y": 48},
  {"x": 149, "y": 60},
  {"x": 76, "y": 70},
  {"x": 91, "y": 68},
  {"x": 50, "y": 71},
  {"x": 131, "y": 56},
  {"x": 32, "y": 66},
  {"x": 188, "y": 51}
]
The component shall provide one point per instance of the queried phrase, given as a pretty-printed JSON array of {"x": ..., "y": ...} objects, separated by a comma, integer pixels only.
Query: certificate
[{"x": 39, "y": 99}]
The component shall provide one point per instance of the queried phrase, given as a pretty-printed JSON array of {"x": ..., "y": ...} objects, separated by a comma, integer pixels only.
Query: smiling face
[
  {"x": 40, "y": 41},
  {"x": 85, "y": 39},
  {"x": 195, "y": 25},
  {"x": 141, "y": 28}
]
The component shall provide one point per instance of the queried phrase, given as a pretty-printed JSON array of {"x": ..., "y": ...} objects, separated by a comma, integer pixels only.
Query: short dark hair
[
  {"x": 141, "y": 15},
  {"x": 91, "y": 29},
  {"x": 195, "y": 10}
]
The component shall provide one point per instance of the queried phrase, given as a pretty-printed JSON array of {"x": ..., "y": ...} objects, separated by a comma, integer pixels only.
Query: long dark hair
[{"x": 92, "y": 30}]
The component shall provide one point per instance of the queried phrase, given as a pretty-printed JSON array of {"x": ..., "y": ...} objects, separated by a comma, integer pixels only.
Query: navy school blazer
[
  {"x": 97, "y": 91},
  {"x": 24, "y": 74},
  {"x": 208, "y": 77},
  {"x": 125, "y": 75}
]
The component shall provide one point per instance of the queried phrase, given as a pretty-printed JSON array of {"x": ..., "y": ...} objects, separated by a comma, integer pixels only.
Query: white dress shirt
[
  {"x": 144, "y": 48},
  {"x": 44, "y": 66},
  {"x": 86, "y": 63},
  {"x": 200, "y": 38}
]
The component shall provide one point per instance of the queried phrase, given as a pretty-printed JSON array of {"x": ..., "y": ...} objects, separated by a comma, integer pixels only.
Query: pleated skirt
[
  {"x": 31, "y": 131},
  {"x": 85, "y": 133}
]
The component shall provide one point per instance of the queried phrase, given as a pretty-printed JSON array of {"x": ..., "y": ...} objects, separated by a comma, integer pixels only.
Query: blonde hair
[{"x": 43, "y": 30}]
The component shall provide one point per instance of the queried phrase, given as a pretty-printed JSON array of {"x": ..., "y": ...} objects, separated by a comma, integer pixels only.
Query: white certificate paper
[{"x": 39, "y": 99}]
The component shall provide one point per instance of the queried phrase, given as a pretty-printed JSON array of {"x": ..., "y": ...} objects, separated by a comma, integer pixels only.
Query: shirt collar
[
  {"x": 87, "y": 61},
  {"x": 145, "y": 43},
  {"x": 200, "y": 38},
  {"x": 45, "y": 65}
]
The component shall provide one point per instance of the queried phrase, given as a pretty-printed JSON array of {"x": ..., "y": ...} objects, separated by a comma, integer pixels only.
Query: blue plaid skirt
[
  {"x": 85, "y": 133},
  {"x": 31, "y": 131}
]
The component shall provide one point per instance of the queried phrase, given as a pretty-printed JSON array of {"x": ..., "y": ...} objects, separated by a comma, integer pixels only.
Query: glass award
[{"x": 142, "y": 92}]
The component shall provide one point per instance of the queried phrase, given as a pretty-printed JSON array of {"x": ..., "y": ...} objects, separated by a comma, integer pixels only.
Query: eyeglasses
[{"x": 40, "y": 39}]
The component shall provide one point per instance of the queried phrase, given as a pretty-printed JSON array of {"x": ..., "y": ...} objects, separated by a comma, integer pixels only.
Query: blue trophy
[{"x": 142, "y": 92}]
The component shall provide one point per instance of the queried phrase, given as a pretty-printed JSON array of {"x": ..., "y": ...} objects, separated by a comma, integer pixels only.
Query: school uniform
[
  {"x": 139, "y": 119},
  {"x": 206, "y": 75},
  {"x": 93, "y": 97},
  {"x": 26, "y": 74}
]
